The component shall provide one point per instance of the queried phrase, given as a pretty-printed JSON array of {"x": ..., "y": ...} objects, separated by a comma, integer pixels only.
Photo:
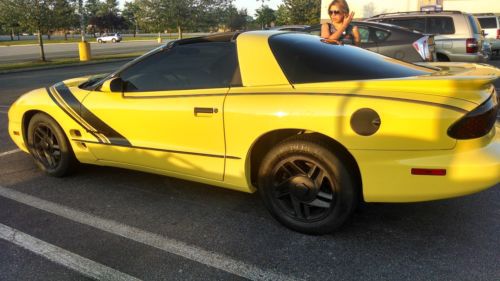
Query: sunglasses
[{"x": 334, "y": 12}]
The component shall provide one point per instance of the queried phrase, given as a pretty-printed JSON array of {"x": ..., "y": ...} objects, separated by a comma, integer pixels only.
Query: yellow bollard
[
  {"x": 159, "y": 40},
  {"x": 84, "y": 49}
]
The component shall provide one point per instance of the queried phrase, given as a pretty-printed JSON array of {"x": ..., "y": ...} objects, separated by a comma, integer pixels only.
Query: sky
[{"x": 250, "y": 5}]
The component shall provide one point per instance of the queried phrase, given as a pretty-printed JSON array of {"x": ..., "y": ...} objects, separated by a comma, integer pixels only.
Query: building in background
[{"x": 369, "y": 8}]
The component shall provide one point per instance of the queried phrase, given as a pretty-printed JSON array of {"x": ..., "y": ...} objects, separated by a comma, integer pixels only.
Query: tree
[
  {"x": 265, "y": 16},
  {"x": 35, "y": 17},
  {"x": 131, "y": 15},
  {"x": 62, "y": 16},
  {"x": 237, "y": 20},
  {"x": 304, "y": 11},
  {"x": 282, "y": 15},
  {"x": 10, "y": 16}
]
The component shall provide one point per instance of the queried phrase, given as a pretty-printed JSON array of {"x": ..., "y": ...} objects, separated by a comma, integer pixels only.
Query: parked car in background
[
  {"x": 392, "y": 41},
  {"x": 457, "y": 35},
  {"x": 109, "y": 38},
  {"x": 296, "y": 27},
  {"x": 490, "y": 23}
]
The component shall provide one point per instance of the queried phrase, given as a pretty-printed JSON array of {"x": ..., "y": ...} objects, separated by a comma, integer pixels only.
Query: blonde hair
[{"x": 341, "y": 4}]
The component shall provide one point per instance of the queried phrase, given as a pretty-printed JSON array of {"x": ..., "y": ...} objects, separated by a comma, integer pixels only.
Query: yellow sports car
[{"x": 314, "y": 127}]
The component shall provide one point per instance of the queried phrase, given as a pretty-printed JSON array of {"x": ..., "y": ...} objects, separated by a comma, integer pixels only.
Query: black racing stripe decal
[
  {"x": 70, "y": 115},
  {"x": 454, "y": 108},
  {"x": 161, "y": 150},
  {"x": 113, "y": 136}
]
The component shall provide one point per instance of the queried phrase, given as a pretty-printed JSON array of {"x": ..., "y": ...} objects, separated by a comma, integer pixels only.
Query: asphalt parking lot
[{"x": 114, "y": 224}]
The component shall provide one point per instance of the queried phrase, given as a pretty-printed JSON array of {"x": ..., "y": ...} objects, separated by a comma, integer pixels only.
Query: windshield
[{"x": 307, "y": 59}]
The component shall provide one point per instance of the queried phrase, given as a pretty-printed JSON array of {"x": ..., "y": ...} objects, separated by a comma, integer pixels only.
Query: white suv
[
  {"x": 490, "y": 23},
  {"x": 109, "y": 38},
  {"x": 458, "y": 35}
]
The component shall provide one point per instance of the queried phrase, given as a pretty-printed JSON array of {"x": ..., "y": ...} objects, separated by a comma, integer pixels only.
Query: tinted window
[
  {"x": 488, "y": 22},
  {"x": 306, "y": 59},
  {"x": 410, "y": 23},
  {"x": 190, "y": 66},
  {"x": 440, "y": 25},
  {"x": 364, "y": 35},
  {"x": 473, "y": 24}
]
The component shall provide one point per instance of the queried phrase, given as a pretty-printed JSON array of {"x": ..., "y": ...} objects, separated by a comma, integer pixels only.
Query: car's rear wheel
[
  {"x": 306, "y": 186},
  {"x": 49, "y": 146}
]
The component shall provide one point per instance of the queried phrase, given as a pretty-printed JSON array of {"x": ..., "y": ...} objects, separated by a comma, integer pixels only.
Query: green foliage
[
  {"x": 283, "y": 15},
  {"x": 265, "y": 16},
  {"x": 303, "y": 11}
]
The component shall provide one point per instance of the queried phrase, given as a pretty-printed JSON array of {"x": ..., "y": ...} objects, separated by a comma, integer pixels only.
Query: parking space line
[
  {"x": 60, "y": 256},
  {"x": 1, "y": 111},
  {"x": 4, "y": 106},
  {"x": 9, "y": 152},
  {"x": 172, "y": 246}
]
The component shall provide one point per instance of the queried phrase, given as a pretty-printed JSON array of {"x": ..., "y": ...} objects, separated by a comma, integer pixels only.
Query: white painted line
[
  {"x": 9, "y": 152},
  {"x": 60, "y": 256},
  {"x": 4, "y": 106},
  {"x": 1, "y": 111},
  {"x": 166, "y": 244}
]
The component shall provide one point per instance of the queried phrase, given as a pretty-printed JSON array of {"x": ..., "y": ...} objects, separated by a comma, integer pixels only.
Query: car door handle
[{"x": 205, "y": 110}]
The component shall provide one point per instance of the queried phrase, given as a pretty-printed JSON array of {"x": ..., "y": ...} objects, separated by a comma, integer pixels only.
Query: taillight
[
  {"x": 498, "y": 34},
  {"x": 476, "y": 123},
  {"x": 471, "y": 45},
  {"x": 422, "y": 48}
]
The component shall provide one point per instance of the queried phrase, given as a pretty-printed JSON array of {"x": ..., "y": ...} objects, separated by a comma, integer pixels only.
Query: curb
[
  {"x": 62, "y": 43},
  {"x": 2, "y": 72}
]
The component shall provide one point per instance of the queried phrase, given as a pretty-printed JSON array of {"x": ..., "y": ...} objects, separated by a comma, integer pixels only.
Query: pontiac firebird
[{"x": 313, "y": 127}]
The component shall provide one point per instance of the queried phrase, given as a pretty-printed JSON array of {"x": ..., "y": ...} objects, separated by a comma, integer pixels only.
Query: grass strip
[
  {"x": 65, "y": 61},
  {"x": 76, "y": 40}
]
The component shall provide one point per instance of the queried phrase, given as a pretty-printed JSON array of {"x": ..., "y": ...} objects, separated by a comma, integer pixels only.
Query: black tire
[
  {"x": 306, "y": 186},
  {"x": 49, "y": 146},
  {"x": 99, "y": 41},
  {"x": 113, "y": 40}
]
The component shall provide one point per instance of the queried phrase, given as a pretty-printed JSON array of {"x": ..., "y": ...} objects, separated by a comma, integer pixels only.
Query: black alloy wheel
[
  {"x": 302, "y": 189},
  {"x": 49, "y": 146},
  {"x": 307, "y": 187}
]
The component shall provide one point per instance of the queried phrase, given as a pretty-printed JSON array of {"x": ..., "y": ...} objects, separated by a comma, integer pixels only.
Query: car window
[
  {"x": 488, "y": 22},
  {"x": 474, "y": 24},
  {"x": 315, "y": 31},
  {"x": 364, "y": 35},
  {"x": 410, "y": 23},
  {"x": 307, "y": 59},
  {"x": 381, "y": 35},
  {"x": 189, "y": 66},
  {"x": 440, "y": 25}
]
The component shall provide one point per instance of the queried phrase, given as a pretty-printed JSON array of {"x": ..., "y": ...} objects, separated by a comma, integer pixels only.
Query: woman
[{"x": 339, "y": 29}]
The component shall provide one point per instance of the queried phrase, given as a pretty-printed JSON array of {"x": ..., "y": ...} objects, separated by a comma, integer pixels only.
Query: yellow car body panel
[{"x": 160, "y": 132}]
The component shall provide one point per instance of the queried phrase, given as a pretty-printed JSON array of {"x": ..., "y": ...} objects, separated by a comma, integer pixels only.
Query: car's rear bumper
[
  {"x": 471, "y": 166},
  {"x": 478, "y": 57}
]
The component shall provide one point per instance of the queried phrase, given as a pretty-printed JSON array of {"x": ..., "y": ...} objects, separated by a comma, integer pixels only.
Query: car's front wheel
[
  {"x": 99, "y": 41},
  {"x": 49, "y": 146},
  {"x": 306, "y": 186},
  {"x": 113, "y": 40}
]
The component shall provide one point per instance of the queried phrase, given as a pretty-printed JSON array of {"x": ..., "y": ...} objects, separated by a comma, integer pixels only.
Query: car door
[{"x": 170, "y": 114}]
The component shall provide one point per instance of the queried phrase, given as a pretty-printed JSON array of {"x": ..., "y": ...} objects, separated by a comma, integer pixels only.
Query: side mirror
[{"x": 113, "y": 85}]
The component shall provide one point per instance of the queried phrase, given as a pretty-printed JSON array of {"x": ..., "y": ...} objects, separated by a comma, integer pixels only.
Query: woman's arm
[{"x": 355, "y": 34}]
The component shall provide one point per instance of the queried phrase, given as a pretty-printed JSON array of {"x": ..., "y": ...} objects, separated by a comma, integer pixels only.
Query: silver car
[
  {"x": 458, "y": 35},
  {"x": 109, "y": 38}
]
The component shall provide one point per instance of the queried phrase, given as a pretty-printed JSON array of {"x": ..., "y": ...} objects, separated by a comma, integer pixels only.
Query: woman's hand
[{"x": 348, "y": 19}]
